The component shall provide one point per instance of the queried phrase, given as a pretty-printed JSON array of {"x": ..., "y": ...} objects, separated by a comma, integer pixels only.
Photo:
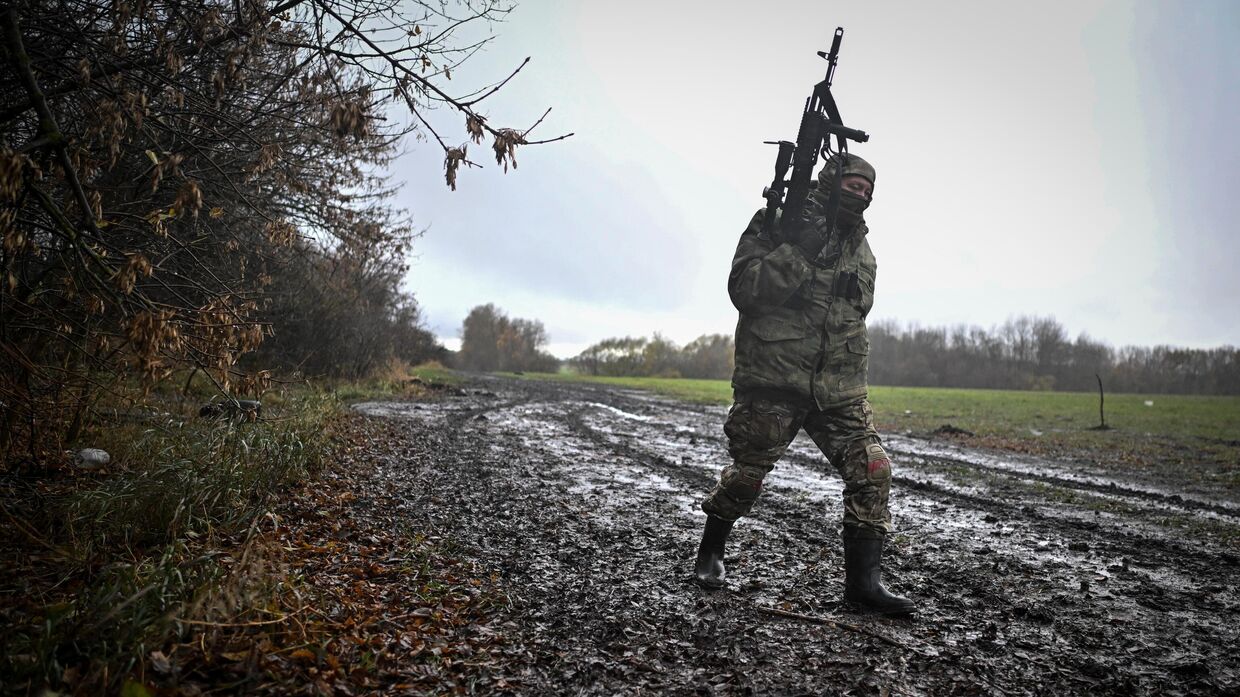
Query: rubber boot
[
  {"x": 709, "y": 567},
  {"x": 862, "y": 583}
]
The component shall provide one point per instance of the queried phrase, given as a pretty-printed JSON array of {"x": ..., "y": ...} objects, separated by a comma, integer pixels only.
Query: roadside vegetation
[
  {"x": 205, "y": 552},
  {"x": 108, "y": 563}
]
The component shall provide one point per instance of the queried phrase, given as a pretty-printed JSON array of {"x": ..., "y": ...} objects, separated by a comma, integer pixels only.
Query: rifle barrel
[{"x": 835, "y": 52}]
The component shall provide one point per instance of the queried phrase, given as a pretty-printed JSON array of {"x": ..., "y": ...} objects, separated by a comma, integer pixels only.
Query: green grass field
[{"x": 1199, "y": 434}]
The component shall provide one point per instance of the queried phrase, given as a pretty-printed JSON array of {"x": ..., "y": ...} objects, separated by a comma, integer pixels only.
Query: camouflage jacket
[{"x": 802, "y": 324}]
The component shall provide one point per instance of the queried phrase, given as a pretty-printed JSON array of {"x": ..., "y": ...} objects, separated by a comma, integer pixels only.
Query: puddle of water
[
  {"x": 619, "y": 412},
  {"x": 611, "y": 476}
]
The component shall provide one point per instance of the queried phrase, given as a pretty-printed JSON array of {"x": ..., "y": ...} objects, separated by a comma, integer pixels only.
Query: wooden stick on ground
[{"x": 829, "y": 623}]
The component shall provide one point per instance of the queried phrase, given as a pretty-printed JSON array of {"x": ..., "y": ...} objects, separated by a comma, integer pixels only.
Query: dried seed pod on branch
[
  {"x": 451, "y": 161},
  {"x": 505, "y": 146},
  {"x": 473, "y": 126}
]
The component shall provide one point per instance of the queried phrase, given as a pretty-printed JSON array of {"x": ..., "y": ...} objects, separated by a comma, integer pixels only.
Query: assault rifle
[{"x": 820, "y": 120}]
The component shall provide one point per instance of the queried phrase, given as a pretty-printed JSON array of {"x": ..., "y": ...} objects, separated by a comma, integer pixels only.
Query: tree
[
  {"x": 492, "y": 341},
  {"x": 480, "y": 336},
  {"x": 164, "y": 164},
  {"x": 709, "y": 356},
  {"x": 660, "y": 358}
]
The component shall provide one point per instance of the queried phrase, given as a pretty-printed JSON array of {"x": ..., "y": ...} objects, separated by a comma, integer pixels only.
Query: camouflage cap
[{"x": 852, "y": 165}]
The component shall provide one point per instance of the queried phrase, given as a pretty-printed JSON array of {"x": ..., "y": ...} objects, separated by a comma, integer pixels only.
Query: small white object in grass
[
  {"x": 1035, "y": 431},
  {"x": 91, "y": 458},
  {"x": 1149, "y": 402},
  {"x": 908, "y": 411}
]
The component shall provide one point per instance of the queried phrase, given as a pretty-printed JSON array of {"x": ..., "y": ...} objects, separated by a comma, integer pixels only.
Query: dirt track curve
[{"x": 1034, "y": 577}]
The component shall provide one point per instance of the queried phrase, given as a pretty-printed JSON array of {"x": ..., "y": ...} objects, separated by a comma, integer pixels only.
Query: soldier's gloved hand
[{"x": 809, "y": 242}]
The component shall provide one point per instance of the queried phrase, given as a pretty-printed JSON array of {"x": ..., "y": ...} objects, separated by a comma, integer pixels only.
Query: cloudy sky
[{"x": 1074, "y": 159}]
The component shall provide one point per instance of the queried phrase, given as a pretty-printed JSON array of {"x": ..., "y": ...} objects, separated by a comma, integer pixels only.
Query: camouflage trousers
[{"x": 759, "y": 432}]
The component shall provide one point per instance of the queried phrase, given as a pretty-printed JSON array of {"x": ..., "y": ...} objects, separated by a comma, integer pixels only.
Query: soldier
[{"x": 802, "y": 354}]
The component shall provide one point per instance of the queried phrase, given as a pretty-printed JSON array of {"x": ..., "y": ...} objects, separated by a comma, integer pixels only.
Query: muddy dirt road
[{"x": 1034, "y": 577}]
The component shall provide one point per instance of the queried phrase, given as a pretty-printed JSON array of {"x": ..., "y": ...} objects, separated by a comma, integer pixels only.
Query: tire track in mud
[
  {"x": 1015, "y": 502},
  {"x": 1136, "y": 531},
  {"x": 708, "y": 630},
  {"x": 1120, "y": 560},
  {"x": 1006, "y": 464},
  {"x": 1066, "y": 564},
  {"x": 698, "y": 467},
  {"x": 1143, "y": 557},
  {"x": 653, "y": 460},
  {"x": 1083, "y": 531},
  {"x": 1089, "y": 483},
  {"x": 913, "y": 467},
  {"x": 593, "y": 493},
  {"x": 1020, "y": 468},
  {"x": 1029, "y": 549},
  {"x": 1021, "y": 543}
]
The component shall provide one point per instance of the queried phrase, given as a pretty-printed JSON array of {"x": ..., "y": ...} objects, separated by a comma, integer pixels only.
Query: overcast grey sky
[{"x": 1075, "y": 159}]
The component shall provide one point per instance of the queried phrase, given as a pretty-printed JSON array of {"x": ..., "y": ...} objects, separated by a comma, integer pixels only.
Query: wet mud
[{"x": 1034, "y": 577}]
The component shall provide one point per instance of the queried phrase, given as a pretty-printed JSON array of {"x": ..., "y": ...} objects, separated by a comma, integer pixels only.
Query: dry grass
[{"x": 109, "y": 564}]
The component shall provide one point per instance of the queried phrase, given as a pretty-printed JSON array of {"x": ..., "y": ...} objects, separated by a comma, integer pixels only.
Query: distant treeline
[
  {"x": 708, "y": 356},
  {"x": 1035, "y": 353},
  {"x": 1024, "y": 353}
]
